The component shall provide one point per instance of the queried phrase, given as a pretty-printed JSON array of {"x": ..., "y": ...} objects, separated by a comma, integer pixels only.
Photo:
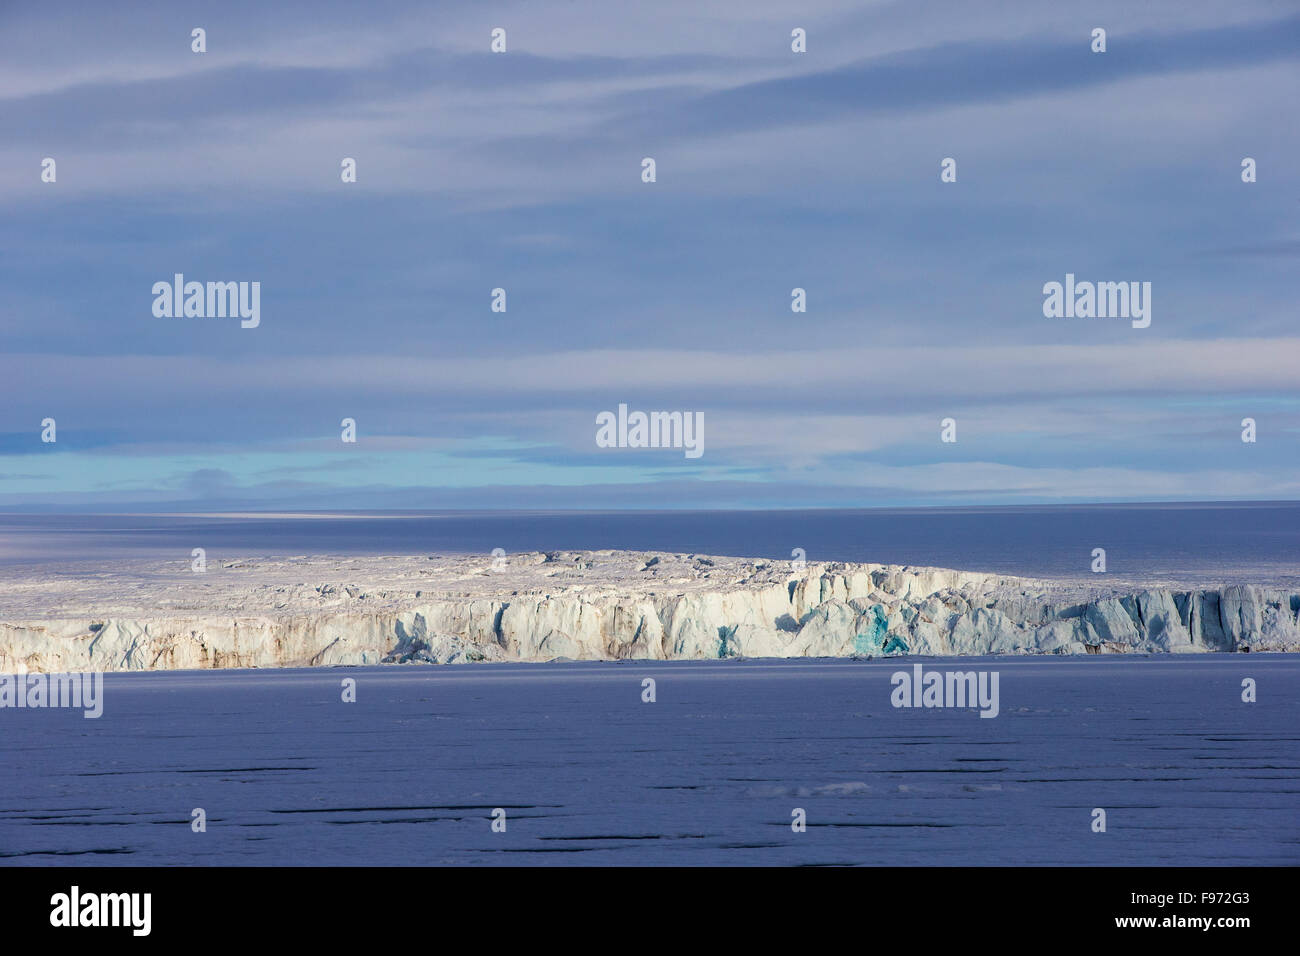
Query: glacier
[{"x": 595, "y": 605}]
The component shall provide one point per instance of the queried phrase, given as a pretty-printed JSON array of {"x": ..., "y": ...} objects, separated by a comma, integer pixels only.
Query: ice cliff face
[{"x": 596, "y": 606}]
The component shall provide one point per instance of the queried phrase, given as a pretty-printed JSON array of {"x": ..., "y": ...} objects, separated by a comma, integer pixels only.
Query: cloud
[
  {"x": 1276, "y": 248},
  {"x": 1141, "y": 364},
  {"x": 522, "y": 171}
]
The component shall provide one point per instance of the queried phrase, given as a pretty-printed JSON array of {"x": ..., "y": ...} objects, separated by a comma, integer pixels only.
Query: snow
[
  {"x": 592, "y": 605},
  {"x": 709, "y": 774}
]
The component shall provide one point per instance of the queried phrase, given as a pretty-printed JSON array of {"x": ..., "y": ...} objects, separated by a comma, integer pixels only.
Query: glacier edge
[{"x": 598, "y": 605}]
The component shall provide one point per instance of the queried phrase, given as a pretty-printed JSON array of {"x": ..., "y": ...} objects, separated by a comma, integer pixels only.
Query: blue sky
[{"x": 522, "y": 170}]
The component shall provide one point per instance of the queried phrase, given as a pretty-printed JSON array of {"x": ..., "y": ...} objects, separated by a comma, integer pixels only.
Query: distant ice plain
[{"x": 707, "y": 775}]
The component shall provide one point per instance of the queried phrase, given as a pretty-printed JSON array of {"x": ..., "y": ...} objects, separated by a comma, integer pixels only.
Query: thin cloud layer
[{"x": 522, "y": 171}]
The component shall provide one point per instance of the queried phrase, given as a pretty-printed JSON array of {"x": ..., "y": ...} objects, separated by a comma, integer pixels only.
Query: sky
[{"x": 523, "y": 170}]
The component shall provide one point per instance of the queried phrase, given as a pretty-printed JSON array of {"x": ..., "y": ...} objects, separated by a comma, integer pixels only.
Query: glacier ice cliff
[{"x": 594, "y": 605}]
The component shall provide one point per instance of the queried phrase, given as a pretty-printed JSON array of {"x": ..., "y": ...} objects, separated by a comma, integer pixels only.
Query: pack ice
[{"x": 593, "y": 605}]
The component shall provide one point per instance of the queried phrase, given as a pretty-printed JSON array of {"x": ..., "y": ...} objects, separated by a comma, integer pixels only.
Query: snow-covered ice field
[
  {"x": 709, "y": 773},
  {"x": 594, "y": 605}
]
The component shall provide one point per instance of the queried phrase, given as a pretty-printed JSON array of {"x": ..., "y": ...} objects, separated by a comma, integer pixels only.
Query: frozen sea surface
[{"x": 708, "y": 774}]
